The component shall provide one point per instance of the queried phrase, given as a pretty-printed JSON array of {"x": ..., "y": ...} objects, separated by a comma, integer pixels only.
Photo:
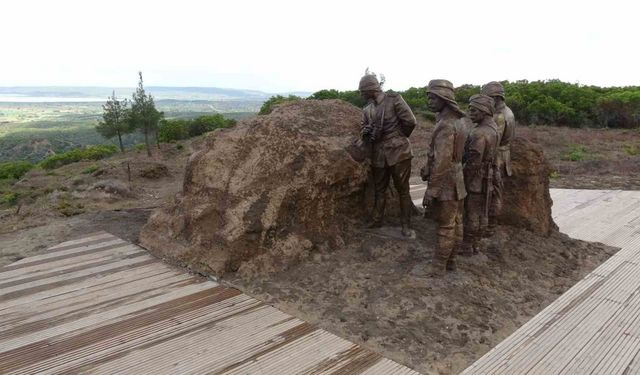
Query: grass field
[{"x": 31, "y": 131}]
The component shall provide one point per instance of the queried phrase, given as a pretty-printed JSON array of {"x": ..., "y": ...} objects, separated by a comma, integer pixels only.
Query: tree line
[
  {"x": 123, "y": 116},
  {"x": 140, "y": 114},
  {"x": 550, "y": 102}
]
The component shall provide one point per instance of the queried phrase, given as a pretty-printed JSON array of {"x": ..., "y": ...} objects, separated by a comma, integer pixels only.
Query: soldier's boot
[
  {"x": 452, "y": 266},
  {"x": 484, "y": 229},
  {"x": 406, "y": 225},
  {"x": 375, "y": 224},
  {"x": 438, "y": 265},
  {"x": 468, "y": 247},
  {"x": 457, "y": 247},
  {"x": 405, "y": 214},
  {"x": 378, "y": 212},
  {"x": 490, "y": 229},
  {"x": 441, "y": 256}
]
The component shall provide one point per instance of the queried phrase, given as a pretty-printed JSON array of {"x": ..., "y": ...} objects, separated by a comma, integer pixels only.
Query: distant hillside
[{"x": 159, "y": 92}]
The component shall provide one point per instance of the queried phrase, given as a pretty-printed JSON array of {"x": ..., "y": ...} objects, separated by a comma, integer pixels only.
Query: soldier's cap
[
  {"x": 493, "y": 88},
  {"x": 443, "y": 89},
  {"x": 369, "y": 82},
  {"x": 482, "y": 102}
]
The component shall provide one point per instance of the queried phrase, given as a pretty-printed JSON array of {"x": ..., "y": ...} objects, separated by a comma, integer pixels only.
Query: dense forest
[{"x": 551, "y": 102}]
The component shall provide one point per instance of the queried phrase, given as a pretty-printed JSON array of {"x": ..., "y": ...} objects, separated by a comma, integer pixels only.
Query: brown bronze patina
[
  {"x": 480, "y": 172},
  {"x": 445, "y": 191},
  {"x": 506, "y": 124},
  {"x": 387, "y": 123}
]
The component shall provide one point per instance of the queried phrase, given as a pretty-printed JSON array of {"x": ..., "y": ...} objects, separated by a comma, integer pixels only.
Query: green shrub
[
  {"x": 631, "y": 150},
  {"x": 14, "y": 169},
  {"x": 352, "y": 97},
  {"x": 140, "y": 147},
  {"x": 88, "y": 153},
  {"x": 575, "y": 153},
  {"x": 204, "y": 124},
  {"x": 9, "y": 198},
  {"x": 175, "y": 130},
  {"x": 179, "y": 146},
  {"x": 68, "y": 208},
  {"x": 267, "y": 106},
  {"x": 90, "y": 169},
  {"x": 549, "y": 102},
  {"x": 172, "y": 130}
]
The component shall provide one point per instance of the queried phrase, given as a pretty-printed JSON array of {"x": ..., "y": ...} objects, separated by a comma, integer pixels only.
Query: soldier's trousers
[
  {"x": 448, "y": 216},
  {"x": 495, "y": 206},
  {"x": 474, "y": 217},
  {"x": 400, "y": 174}
]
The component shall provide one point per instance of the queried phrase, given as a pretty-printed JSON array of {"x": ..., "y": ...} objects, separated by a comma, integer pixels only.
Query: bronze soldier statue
[
  {"x": 479, "y": 170},
  {"x": 387, "y": 123},
  {"x": 445, "y": 191},
  {"x": 506, "y": 124}
]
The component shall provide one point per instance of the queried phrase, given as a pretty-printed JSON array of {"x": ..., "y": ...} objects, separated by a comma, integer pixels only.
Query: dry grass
[
  {"x": 590, "y": 158},
  {"x": 122, "y": 182}
]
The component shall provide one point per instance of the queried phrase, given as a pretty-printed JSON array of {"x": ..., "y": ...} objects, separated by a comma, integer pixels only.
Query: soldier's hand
[
  {"x": 424, "y": 173},
  {"x": 366, "y": 132},
  {"x": 427, "y": 202}
]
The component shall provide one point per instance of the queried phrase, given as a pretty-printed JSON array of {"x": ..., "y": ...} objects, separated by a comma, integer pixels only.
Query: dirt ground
[
  {"x": 590, "y": 158},
  {"x": 373, "y": 291}
]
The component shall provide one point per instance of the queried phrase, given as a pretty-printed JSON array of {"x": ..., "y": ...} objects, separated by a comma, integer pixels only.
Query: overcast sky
[{"x": 279, "y": 46}]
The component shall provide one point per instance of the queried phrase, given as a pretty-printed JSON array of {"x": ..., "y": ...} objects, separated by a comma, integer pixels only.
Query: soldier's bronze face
[
  {"x": 368, "y": 94},
  {"x": 475, "y": 114},
  {"x": 436, "y": 103}
]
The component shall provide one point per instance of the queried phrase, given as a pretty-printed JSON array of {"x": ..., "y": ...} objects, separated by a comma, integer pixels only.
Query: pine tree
[
  {"x": 143, "y": 114},
  {"x": 115, "y": 119}
]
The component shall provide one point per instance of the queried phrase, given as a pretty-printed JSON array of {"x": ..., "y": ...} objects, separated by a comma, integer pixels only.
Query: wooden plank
[
  {"x": 102, "y": 318},
  {"x": 571, "y": 320},
  {"x": 68, "y": 292},
  {"x": 599, "y": 333},
  {"x": 9, "y": 272},
  {"x": 88, "y": 238},
  {"x": 100, "y": 305},
  {"x": 115, "y": 351},
  {"x": 25, "y": 319}
]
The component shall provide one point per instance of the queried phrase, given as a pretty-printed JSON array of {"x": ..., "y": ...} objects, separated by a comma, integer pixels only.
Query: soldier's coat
[
  {"x": 393, "y": 146},
  {"x": 480, "y": 152},
  {"x": 506, "y": 124},
  {"x": 444, "y": 159}
]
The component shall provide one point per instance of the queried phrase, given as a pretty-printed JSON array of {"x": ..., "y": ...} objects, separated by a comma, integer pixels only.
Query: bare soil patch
[{"x": 374, "y": 292}]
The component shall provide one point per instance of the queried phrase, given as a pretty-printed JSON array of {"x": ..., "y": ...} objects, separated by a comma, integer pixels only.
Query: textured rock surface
[
  {"x": 527, "y": 203},
  {"x": 262, "y": 195}
]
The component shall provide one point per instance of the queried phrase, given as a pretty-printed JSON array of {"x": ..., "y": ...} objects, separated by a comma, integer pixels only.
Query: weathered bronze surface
[
  {"x": 386, "y": 124},
  {"x": 480, "y": 172},
  {"x": 443, "y": 172}
]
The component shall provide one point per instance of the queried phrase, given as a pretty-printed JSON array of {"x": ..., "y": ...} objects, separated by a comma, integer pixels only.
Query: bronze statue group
[{"x": 465, "y": 166}]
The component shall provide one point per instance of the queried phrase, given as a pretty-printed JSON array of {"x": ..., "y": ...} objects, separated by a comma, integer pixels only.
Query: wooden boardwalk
[
  {"x": 101, "y": 305},
  {"x": 593, "y": 328}
]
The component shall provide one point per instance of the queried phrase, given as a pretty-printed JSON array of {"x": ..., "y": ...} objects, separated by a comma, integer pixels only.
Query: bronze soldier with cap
[
  {"x": 506, "y": 124},
  {"x": 387, "y": 123},
  {"x": 479, "y": 169},
  {"x": 445, "y": 190}
]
